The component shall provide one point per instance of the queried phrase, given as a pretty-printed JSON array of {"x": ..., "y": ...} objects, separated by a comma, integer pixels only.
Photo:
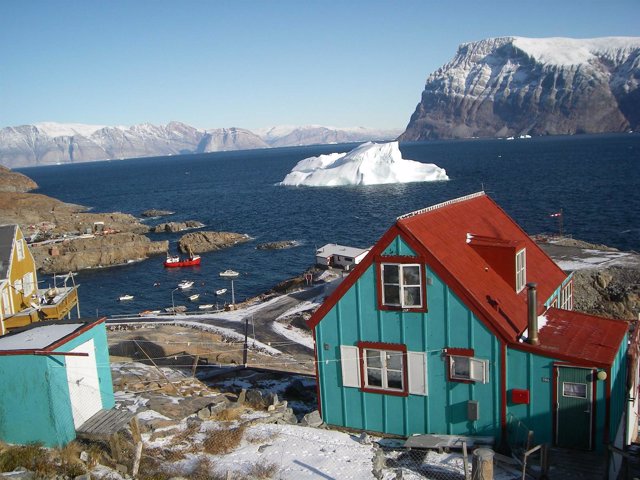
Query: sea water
[{"x": 594, "y": 180}]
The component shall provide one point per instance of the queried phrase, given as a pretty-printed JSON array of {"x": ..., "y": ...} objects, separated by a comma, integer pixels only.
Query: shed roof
[
  {"x": 7, "y": 234},
  {"x": 578, "y": 336},
  {"x": 43, "y": 336},
  {"x": 335, "y": 249}
]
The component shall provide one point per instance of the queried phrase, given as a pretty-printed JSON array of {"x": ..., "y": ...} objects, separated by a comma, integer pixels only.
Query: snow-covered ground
[
  {"x": 591, "y": 258},
  {"x": 369, "y": 164}
]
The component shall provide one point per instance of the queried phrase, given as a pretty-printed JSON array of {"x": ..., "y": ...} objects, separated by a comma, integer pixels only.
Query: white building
[{"x": 334, "y": 255}]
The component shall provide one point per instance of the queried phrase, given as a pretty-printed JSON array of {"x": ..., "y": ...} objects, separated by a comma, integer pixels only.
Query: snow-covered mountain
[
  {"x": 52, "y": 143},
  {"x": 508, "y": 86}
]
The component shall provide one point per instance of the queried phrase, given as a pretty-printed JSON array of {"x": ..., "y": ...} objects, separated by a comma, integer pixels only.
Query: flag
[{"x": 557, "y": 214}]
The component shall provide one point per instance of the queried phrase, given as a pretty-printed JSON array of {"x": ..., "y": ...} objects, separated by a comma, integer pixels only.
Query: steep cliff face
[
  {"x": 229, "y": 139},
  {"x": 509, "y": 86}
]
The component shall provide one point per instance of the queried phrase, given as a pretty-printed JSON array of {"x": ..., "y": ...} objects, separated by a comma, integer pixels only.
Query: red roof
[
  {"x": 578, "y": 336},
  {"x": 464, "y": 241}
]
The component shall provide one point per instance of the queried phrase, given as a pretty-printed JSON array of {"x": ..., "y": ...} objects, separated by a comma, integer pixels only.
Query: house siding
[
  {"x": 618, "y": 389},
  {"x": 448, "y": 323},
  {"x": 34, "y": 402}
]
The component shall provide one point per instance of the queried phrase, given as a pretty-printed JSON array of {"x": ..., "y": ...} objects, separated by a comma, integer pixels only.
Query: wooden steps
[{"x": 104, "y": 424}]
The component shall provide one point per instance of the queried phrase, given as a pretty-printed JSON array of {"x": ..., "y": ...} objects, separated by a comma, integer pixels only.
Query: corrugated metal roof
[
  {"x": 580, "y": 336},
  {"x": 443, "y": 232},
  {"x": 7, "y": 234}
]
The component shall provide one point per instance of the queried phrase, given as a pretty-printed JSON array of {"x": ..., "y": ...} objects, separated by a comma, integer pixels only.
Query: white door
[{"x": 84, "y": 387}]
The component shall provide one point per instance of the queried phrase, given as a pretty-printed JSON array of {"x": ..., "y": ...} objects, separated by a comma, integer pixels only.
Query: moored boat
[
  {"x": 185, "y": 284},
  {"x": 123, "y": 298},
  {"x": 205, "y": 306},
  {"x": 222, "y": 291},
  {"x": 229, "y": 274},
  {"x": 175, "y": 261},
  {"x": 194, "y": 297}
]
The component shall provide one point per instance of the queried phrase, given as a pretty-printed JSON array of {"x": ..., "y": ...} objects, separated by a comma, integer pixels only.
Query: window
[
  {"x": 576, "y": 390},
  {"x": 17, "y": 286},
  {"x": 566, "y": 297},
  {"x": 20, "y": 249},
  {"x": 401, "y": 285},
  {"x": 465, "y": 368},
  {"x": 384, "y": 368},
  {"x": 521, "y": 270},
  {"x": 28, "y": 283}
]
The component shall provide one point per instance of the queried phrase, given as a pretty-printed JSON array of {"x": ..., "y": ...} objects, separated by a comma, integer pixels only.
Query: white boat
[
  {"x": 206, "y": 306},
  {"x": 194, "y": 297},
  {"x": 229, "y": 274},
  {"x": 148, "y": 313},
  {"x": 222, "y": 291},
  {"x": 183, "y": 285},
  {"x": 122, "y": 298},
  {"x": 176, "y": 309}
]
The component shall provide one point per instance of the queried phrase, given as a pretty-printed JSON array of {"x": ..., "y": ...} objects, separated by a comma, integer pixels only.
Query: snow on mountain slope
[
  {"x": 368, "y": 164},
  {"x": 54, "y": 129},
  {"x": 538, "y": 86}
]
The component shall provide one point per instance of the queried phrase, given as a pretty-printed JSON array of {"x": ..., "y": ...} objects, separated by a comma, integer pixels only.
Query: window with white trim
[
  {"x": 383, "y": 370},
  {"x": 566, "y": 297},
  {"x": 20, "y": 249},
  {"x": 468, "y": 369},
  {"x": 521, "y": 270},
  {"x": 402, "y": 285},
  {"x": 17, "y": 286},
  {"x": 28, "y": 283}
]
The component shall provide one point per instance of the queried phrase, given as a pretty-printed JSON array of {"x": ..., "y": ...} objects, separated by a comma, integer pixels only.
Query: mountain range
[
  {"x": 514, "y": 86},
  {"x": 56, "y": 143}
]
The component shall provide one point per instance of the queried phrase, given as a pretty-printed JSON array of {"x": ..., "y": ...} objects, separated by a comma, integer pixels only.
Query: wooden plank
[{"x": 104, "y": 423}]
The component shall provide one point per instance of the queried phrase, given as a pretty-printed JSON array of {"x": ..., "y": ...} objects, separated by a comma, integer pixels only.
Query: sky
[{"x": 256, "y": 64}]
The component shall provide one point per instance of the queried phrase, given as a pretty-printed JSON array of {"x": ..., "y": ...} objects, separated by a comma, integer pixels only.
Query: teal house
[
  {"x": 55, "y": 376},
  {"x": 457, "y": 322}
]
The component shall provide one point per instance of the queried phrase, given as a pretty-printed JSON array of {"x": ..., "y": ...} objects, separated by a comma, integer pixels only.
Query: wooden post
[
  {"x": 482, "y": 467},
  {"x": 465, "y": 461},
  {"x": 245, "y": 353}
]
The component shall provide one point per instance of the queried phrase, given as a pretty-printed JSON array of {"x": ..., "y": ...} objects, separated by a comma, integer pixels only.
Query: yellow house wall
[{"x": 17, "y": 270}]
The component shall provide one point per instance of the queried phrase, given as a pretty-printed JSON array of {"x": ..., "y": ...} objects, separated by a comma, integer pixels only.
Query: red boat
[{"x": 176, "y": 261}]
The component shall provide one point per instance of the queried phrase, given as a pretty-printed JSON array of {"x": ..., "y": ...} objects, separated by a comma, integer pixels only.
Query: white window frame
[
  {"x": 384, "y": 369},
  {"x": 6, "y": 301},
  {"x": 401, "y": 285},
  {"x": 28, "y": 283},
  {"x": 17, "y": 286},
  {"x": 20, "y": 249},
  {"x": 566, "y": 297},
  {"x": 521, "y": 269},
  {"x": 477, "y": 371},
  {"x": 416, "y": 365}
]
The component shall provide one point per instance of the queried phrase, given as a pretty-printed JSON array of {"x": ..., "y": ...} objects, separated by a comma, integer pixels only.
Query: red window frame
[
  {"x": 393, "y": 347},
  {"x": 404, "y": 260}
]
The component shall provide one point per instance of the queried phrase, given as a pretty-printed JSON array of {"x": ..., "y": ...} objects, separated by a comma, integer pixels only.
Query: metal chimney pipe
[{"x": 532, "y": 313}]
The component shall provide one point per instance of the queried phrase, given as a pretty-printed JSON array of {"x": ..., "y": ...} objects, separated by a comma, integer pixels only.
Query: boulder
[
  {"x": 173, "y": 227},
  {"x": 312, "y": 419},
  {"x": 199, "y": 242}
]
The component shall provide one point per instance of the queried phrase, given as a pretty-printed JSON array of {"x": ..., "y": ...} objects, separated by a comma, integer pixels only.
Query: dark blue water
[{"x": 594, "y": 179}]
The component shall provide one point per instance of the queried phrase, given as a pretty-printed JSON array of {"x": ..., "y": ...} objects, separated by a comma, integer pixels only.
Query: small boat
[
  {"x": 123, "y": 298},
  {"x": 185, "y": 284},
  {"x": 194, "y": 297},
  {"x": 206, "y": 306},
  {"x": 148, "y": 313},
  {"x": 229, "y": 274},
  {"x": 176, "y": 261},
  {"x": 222, "y": 291}
]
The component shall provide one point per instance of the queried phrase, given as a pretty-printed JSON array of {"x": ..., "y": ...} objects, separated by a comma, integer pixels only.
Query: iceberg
[{"x": 368, "y": 164}]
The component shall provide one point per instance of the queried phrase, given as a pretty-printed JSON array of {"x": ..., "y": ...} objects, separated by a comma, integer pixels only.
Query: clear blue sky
[{"x": 252, "y": 64}]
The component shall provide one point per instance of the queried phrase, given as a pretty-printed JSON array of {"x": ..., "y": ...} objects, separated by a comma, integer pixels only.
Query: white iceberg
[{"x": 368, "y": 164}]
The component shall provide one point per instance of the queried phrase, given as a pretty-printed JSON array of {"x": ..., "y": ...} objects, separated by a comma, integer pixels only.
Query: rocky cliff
[
  {"x": 15, "y": 182},
  {"x": 513, "y": 86}
]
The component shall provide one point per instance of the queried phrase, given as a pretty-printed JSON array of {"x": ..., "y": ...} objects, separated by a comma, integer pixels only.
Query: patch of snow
[
  {"x": 595, "y": 259},
  {"x": 53, "y": 129},
  {"x": 294, "y": 334},
  {"x": 369, "y": 164}
]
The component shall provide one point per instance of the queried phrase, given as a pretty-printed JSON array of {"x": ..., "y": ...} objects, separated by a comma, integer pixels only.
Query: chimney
[{"x": 532, "y": 313}]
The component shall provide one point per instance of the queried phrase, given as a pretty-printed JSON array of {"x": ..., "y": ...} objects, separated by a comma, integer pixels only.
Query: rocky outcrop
[
  {"x": 199, "y": 242},
  {"x": 75, "y": 254},
  {"x": 277, "y": 245},
  {"x": 156, "y": 213},
  {"x": 612, "y": 292},
  {"x": 173, "y": 227},
  {"x": 514, "y": 86},
  {"x": 15, "y": 182}
]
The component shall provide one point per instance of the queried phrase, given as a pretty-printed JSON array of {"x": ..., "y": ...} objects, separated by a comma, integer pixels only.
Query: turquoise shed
[
  {"x": 457, "y": 321},
  {"x": 55, "y": 376}
]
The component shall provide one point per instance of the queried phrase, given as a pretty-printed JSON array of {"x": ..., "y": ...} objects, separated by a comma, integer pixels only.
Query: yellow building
[{"x": 21, "y": 301}]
